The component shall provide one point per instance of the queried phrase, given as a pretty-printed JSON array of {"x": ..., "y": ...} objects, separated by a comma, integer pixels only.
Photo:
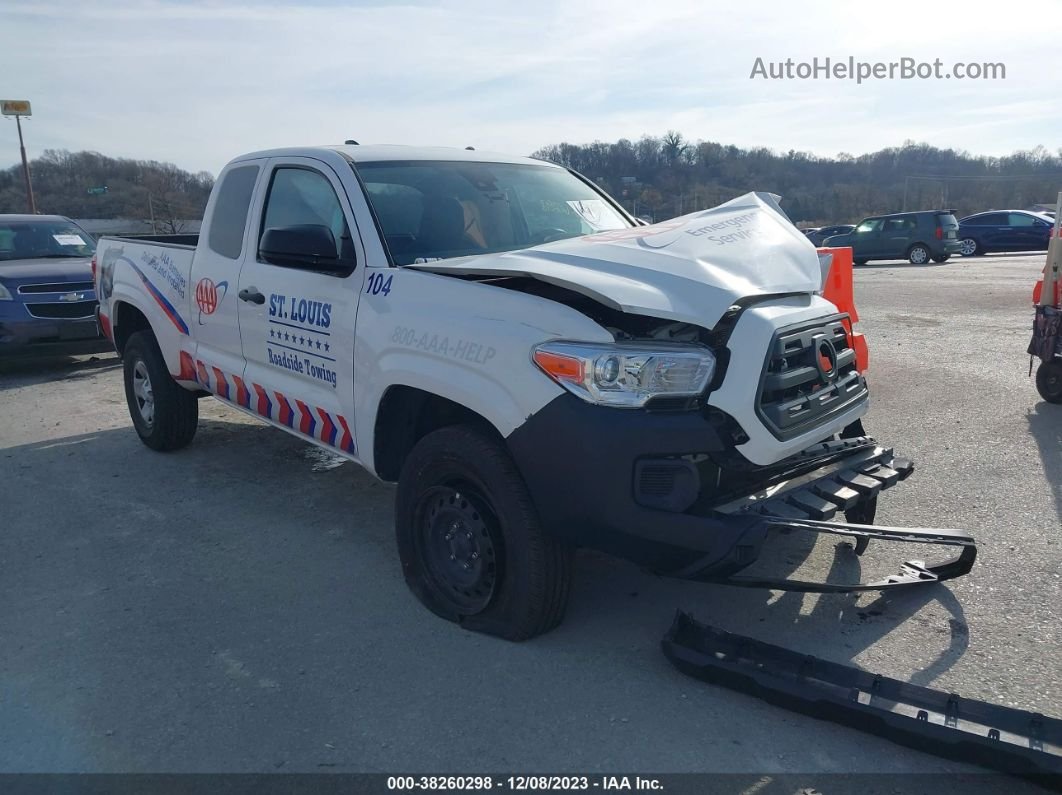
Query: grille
[
  {"x": 60, "y": 287},
  {"x": 68, "y": 310},
  {"x": 809, "y": 377}
]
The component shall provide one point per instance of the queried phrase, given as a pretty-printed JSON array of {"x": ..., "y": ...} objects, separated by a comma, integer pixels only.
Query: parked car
[
  {"x": 47, "y": 297},
  {"x": 1004, "y": 230},
  {"x": 817, "y": 236},
  {"x": 917, "y": 237}
]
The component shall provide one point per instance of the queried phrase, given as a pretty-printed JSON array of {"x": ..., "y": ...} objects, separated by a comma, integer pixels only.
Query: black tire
[
  {"x": 859, "y": 261},
  {"x": 1049, "y": 380},
  {"x": 969, "y": 247},
  {"x": 174, "y": 411},
  {"x": 918, "y": 254},
  {"x": 469, "y": 538},
  {"x": 942, "y": 258}
]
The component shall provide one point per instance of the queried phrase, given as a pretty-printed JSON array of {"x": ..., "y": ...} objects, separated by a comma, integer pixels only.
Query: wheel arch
[
  {"x": 405, "y": 415},
  {"x": 126, "y": 320}
]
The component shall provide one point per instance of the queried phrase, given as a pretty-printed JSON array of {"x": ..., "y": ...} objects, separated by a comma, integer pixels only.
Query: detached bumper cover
[{"x": 963, "y": 729}]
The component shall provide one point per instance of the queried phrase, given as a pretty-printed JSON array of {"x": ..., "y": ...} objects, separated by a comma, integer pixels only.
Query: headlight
[
  {"x": 626, "y": 374},
  {"x": 5, "y": 294}
]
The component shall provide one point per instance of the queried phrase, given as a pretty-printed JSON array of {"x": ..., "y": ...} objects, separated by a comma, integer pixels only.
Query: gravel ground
[{"x": 238, "y": 606}]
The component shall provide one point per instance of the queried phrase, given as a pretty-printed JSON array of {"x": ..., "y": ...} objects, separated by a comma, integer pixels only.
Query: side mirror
[{"x": 306, "y": 246}]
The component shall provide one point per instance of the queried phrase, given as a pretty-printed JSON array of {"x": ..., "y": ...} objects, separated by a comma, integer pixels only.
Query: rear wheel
[
  {"x": 918, "y": 254},
  {"x": 469, "y": 538},
  {"x": 968, "y": 247},
  {"x": 1049, "y": 381},
  {"x": 164, "y": 414}
]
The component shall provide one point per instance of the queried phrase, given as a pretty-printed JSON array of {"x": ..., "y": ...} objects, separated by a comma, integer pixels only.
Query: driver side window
[
  {"x": 869, "y": 225},
  {"x": 299, "y": 196}
]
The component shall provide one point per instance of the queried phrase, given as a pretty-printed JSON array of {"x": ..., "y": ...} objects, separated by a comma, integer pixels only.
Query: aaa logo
[{"x": 208, "y": 295}]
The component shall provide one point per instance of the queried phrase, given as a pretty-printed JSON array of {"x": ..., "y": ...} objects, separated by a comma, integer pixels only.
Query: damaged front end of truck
[{"x": 696, "y": 483}]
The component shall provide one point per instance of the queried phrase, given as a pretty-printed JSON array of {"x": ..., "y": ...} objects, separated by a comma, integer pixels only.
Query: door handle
[{"x": 251, "y": 294}]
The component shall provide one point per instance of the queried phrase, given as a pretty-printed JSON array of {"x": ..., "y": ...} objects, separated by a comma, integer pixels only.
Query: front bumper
[
  {"x": 584, "y": 466},
  {"x": 34, "y": 335}
]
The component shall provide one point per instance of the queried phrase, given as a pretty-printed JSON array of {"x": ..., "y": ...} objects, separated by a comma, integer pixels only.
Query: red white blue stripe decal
[
  {"x": 167, "y": 308},
  {"x": 313, "y": 421}
]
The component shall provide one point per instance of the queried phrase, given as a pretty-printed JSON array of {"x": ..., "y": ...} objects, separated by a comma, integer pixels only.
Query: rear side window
[
  {"x": 895, "y": 225},
  {"x": 947, "y": 221},
  {"x": 988, "y": 219},
  {"x": 229, "y": 220}
]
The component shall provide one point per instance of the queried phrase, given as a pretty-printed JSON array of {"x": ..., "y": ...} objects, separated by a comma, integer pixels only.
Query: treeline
[
  {"x": 668, "y": 176},
  {"x": 72, "y": 183}
]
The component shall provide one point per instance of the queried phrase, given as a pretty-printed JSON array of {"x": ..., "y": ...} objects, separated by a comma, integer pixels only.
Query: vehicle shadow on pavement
[
  {"x": 25, "y": 371},
  {"x": 1045, "y": 425}
]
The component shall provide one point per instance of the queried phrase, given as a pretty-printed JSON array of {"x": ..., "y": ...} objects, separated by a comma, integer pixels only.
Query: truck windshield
[
  {"x": 432, "y": 210},
  {"x": 41, "y": 239}
]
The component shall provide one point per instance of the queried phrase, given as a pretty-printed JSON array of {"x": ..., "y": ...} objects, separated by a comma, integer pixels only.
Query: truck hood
[{"x": 689, "y": 269}]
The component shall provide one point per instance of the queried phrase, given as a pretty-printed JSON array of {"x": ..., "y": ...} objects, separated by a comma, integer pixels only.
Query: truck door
[
  {"x": 297, "y": 319},
  {"x": 222, "y": 249}
]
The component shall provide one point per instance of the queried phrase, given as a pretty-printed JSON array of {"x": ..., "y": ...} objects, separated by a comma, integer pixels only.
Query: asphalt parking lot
[{"x": 238, "y": 606}]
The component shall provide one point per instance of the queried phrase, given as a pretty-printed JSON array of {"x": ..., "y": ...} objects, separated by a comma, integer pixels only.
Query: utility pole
[{"x": 19, "y": 108}]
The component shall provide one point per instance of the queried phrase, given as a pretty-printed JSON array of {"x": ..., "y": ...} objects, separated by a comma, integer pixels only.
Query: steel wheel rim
[
  {"x": 457, "y": 543},
  {"x": 143, "y": 394},
  {"x": 918, "y": 255},
  {"x": 967, "y": 246}
]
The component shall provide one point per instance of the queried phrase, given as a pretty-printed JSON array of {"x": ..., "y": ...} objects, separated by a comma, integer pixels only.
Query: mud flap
[{"x": 966, "y": 730}]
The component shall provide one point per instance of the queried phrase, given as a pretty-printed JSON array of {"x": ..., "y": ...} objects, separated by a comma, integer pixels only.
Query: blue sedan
[
  {"x": 47, "y": 295},
  {"x": 1004, "y": 230}
]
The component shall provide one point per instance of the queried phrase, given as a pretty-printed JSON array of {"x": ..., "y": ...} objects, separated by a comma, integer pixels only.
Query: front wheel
[
  {"x": 968, "y": 247},
  {"x": 918, "y": 255},
  {"x": 469, "y": 538},
  {"x": 164, "y": 414},
  {"x": 1049, "y": 380}
]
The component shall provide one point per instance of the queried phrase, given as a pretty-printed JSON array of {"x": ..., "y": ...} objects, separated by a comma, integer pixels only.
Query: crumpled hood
[{"x": 689, "y": 269}]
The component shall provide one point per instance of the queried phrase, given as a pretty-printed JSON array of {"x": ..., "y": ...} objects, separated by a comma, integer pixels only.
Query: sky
[{"x": 197, "y": 83}]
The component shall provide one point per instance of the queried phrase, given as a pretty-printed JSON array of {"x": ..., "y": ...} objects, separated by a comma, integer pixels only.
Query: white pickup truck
[{"x": 535, "y": 369}]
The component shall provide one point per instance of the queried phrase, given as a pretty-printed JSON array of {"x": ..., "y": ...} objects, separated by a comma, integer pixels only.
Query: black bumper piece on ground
[{"x": 966, "y": 730}]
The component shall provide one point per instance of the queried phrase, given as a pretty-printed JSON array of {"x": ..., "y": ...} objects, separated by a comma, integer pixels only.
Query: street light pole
[{"x": 25, "y": 168}]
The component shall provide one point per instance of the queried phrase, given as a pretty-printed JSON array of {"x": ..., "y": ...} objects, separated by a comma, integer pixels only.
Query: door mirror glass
[{"x": 306, "y": 246}]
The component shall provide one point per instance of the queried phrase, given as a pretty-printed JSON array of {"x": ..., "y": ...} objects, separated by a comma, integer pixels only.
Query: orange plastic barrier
[
  {"x": 1039, "y": 289},
  {"x": 838, "y": 291}
]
